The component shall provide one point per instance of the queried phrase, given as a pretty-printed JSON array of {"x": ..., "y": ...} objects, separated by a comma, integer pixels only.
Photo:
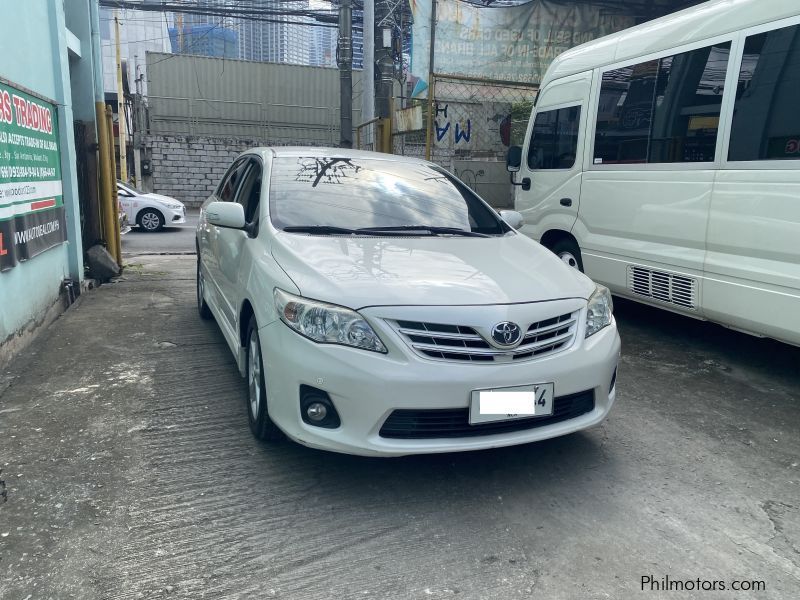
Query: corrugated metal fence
[{"x": 214, "y": 97}]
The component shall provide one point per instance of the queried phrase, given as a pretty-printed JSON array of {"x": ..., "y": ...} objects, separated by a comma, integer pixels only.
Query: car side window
[
  {"x": 766, "y": 122},
  {"x": 554, "y": 140},
  {"x": 231, "y": 181},
  {"x": 249, "y": 194}
]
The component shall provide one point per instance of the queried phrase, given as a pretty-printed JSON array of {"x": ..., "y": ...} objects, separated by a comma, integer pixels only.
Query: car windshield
[{"x": 354, "y": 195}]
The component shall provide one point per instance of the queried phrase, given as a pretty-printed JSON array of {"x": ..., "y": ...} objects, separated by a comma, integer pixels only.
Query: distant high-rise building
[
  {"x": 204, "y": 40},
  {"x": 284, "y": 41},
  {"x": 322, "y": 52}
]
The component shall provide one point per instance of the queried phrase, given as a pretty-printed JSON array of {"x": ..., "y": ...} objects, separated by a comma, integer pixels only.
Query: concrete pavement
[
  {"x": 174, "y": 239},
  {"x": 131, "y": 473}
]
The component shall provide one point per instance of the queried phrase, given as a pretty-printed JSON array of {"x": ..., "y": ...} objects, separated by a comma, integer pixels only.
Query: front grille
[
  {"x": 664, "y": 287},
  {"x": 465, "y": 344},
  {"x": 454, "y": 422}
]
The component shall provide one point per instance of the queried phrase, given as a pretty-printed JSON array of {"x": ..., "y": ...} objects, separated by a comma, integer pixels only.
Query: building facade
[{"x": 50, "y": 80}]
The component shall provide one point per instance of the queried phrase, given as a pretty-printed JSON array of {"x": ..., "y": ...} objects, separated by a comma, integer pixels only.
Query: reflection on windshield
[{"x": 358, "y": 193}]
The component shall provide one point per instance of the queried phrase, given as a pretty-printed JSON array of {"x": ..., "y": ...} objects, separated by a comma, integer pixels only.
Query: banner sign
[
  {"x": 511, "y": 43},
  {"x": 31, "y": 201}
]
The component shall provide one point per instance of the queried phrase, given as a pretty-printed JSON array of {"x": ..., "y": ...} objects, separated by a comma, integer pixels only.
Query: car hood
[
  {"x": 160, "y": 198},
  {"x": 373, "y": 271}
]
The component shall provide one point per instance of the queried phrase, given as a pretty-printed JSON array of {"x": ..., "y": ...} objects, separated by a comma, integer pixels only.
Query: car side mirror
[
  {"x": 514, "y": 159},
  {"x": 226, "y": 214},
  {"x": 514, "y": 219}
]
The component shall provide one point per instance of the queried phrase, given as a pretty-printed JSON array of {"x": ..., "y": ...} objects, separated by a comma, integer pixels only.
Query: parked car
[
  {"x": 377, "y": 306},
  {"x": 665, "y": 162},
  {"x": 151, "y": 212}
]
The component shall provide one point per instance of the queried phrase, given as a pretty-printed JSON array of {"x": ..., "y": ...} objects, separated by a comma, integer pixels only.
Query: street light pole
[{"x": 344, "y": 56}]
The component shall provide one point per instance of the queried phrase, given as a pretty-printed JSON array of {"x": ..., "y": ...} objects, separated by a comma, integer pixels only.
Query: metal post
[
  {"x": 368, "y": 74},
  {"x": 117, "y": 252},
  {"x": 123, "y": 154},
  {"x": 344, "y": 54},
  {"x": 431, "y": 86},
  {"x": 110, "y": 224},
  {"x": 384, "y": 63}
]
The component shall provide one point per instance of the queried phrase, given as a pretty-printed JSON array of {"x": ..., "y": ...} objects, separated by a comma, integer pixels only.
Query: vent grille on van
[{"x": 665, "y": 287}]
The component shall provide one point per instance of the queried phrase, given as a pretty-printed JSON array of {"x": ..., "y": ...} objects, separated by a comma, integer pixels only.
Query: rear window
[{"x": 356, "y": 193}]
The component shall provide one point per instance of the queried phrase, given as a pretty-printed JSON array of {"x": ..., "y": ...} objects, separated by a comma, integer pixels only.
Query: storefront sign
[{"x": 31, "y": 202}]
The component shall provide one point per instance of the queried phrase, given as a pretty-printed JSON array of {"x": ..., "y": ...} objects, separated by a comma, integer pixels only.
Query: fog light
[{"x": 316, "y": 411}]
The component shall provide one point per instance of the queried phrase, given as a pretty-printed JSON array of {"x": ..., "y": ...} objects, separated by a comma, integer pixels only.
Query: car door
[
  {"x": 210, "y": 235},
  {"x": 752, "y": 268},
  {"x": 231, "y": 242},
  {"x": 553, "y": 157}
]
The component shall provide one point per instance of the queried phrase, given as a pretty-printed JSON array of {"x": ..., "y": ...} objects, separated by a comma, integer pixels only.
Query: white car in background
[
  {"x": 378, "y": 306},
  {"x": 151, "y": 212}
]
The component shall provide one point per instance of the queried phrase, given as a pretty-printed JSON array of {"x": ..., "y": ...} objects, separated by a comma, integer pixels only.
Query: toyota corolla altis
[{"x": 377, "y": 306}]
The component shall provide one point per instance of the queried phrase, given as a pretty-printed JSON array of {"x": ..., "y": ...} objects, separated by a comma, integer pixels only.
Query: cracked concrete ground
[{"x": 130, "y": 472}]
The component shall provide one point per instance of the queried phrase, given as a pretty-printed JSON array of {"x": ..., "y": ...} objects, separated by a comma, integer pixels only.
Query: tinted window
[
  {"x": 554, "y": 140},
  {"x": 250, "y": 192},
  {"x": 231, "y": 181},
  {"x": 662, "y": 111},
  {"x": 766, "y": 118},
  {"x": 357, "y": 192}
]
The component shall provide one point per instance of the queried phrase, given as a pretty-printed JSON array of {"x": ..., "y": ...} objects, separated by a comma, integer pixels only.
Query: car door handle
[{"x": 566, "y": 202}]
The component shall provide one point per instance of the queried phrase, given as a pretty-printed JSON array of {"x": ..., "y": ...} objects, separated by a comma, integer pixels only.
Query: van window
[
  {"x": 766, "y": 121},
  {"x": 554, "y": 140},
  {"x": 662, "y": 111}
]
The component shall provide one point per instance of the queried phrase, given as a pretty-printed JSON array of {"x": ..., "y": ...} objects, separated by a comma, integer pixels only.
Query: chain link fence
[{"x": 472, "y": 124}]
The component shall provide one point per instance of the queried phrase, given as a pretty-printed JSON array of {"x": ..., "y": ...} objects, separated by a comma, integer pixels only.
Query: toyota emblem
[{"x": 506, "y": 333}]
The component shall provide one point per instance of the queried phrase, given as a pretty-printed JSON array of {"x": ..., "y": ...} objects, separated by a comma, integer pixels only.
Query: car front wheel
[
  {"x": 151, "y": 220},
  {"x": 260, "y": 424}
]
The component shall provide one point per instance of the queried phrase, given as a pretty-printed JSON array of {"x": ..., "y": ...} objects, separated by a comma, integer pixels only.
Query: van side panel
[
  {"x": 753, "y": 260},
  {"x": 652, "y": 217}
]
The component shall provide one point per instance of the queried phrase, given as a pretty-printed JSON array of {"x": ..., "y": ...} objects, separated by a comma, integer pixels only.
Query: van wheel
[
  {"x": 257, "y": 414},
  {"x": 568, "y": 252}
]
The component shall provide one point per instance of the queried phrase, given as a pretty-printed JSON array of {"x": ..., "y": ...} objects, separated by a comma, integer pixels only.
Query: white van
[{"x": 664, "y": 161}]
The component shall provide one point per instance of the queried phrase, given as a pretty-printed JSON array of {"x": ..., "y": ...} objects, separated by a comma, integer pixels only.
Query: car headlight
[
  {"x": 600, "y": 309},
  {"x": 326, "y": 323}
]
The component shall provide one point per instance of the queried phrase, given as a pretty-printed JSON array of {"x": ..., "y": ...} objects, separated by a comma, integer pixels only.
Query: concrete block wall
[{"x": 189, "y": 168}]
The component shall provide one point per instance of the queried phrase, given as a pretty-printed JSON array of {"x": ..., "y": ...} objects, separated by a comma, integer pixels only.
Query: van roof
[{"x": 694, "y": 24}]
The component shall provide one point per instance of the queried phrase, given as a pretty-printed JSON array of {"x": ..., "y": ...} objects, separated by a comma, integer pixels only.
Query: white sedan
[
  {"x": 151, "y": 212},
  {"x": 377, "y": 306}
]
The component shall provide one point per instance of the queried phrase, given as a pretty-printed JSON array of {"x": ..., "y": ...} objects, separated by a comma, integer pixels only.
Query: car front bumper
[
  {"x": 366, "y": 387},
  {"x": 175, "y": 216}
]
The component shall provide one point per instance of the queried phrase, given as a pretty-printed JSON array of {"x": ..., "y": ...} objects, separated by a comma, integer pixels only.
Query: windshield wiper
[
  {"x": 321, "y": 229},
  {"x": 432, "y": 229}
]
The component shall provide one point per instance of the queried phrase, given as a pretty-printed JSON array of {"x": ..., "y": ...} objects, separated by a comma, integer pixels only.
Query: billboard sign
[{"x": 31, "y": 201}]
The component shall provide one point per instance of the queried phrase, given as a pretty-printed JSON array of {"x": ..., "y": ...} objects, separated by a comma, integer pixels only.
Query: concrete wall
[
  {"x": 35, "y": 56},
  {"x": 189, "y": 168}
]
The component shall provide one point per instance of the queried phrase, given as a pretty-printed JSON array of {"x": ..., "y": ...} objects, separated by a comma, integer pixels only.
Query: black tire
[
  {"x": 569, "y": 252},
  {"x": 202, "y": 307},
  {"x": 150, "y": 220},
  {"x": 257, "y": 413}
]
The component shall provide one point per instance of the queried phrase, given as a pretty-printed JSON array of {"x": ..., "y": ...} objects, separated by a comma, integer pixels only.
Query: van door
[
  {"x": 650, "y": 169},
  {"x": 752, "y": 267},
  {"x": 552, "y": 157}
]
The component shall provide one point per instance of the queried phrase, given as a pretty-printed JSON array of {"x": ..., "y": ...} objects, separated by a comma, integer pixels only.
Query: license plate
[{"x": 507, "y": 404}]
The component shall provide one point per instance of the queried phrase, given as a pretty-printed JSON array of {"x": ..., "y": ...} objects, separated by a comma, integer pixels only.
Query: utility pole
[
  {"x": 368, "y": 74},
  {"x": 344, "y": 56},
  {"x": 384, "y": 77},
  {"x": 123, "y": 155},
  {"x": 431, "y": 86}
]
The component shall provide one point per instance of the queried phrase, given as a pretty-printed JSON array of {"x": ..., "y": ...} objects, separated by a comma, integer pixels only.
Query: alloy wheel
[{"x": 254, "y": 375}]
